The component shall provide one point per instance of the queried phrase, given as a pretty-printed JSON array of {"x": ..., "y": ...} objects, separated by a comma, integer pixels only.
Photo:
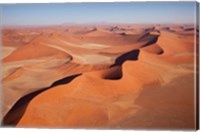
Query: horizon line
[{"x": 95, "y": 23}]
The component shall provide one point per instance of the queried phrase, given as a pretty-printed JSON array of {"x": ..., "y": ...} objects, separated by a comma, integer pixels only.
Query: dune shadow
[
  {"x": 114, "y": 74},
  {"x": 189, "y": 29},
  {"x": 64, "y": 80},
  {"x": 153, "y": 40},
  {"x": 131, "y": 55},
  {"x": 17, "y": 111}
]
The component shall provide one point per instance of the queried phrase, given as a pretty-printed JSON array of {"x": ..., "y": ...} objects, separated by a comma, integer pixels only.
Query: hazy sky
[{"x": 135, "y": 12}]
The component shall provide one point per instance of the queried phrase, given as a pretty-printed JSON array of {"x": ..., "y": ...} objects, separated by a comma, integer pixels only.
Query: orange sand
[{"x": 104, "y": 76}]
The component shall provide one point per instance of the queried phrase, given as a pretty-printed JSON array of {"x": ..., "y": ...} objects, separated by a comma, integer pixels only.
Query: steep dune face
[
  {"x": 103, "y": 78},
  {"x": 154, "y": 49},
  {"x": 31, "y": 52},
  {"x": 183, "y": 44}
]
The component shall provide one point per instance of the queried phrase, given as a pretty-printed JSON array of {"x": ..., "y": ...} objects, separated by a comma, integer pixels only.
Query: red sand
[{"x": 140, "y": 78}]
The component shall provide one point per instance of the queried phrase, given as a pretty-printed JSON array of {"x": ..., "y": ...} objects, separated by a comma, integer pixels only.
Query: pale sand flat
[{"x": 6, "y": 51}]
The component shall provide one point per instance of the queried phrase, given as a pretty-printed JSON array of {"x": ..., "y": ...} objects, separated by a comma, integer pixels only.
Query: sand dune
[
  {"x": 104, "y": 76},
  {"x": 6, "y": 50}
]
